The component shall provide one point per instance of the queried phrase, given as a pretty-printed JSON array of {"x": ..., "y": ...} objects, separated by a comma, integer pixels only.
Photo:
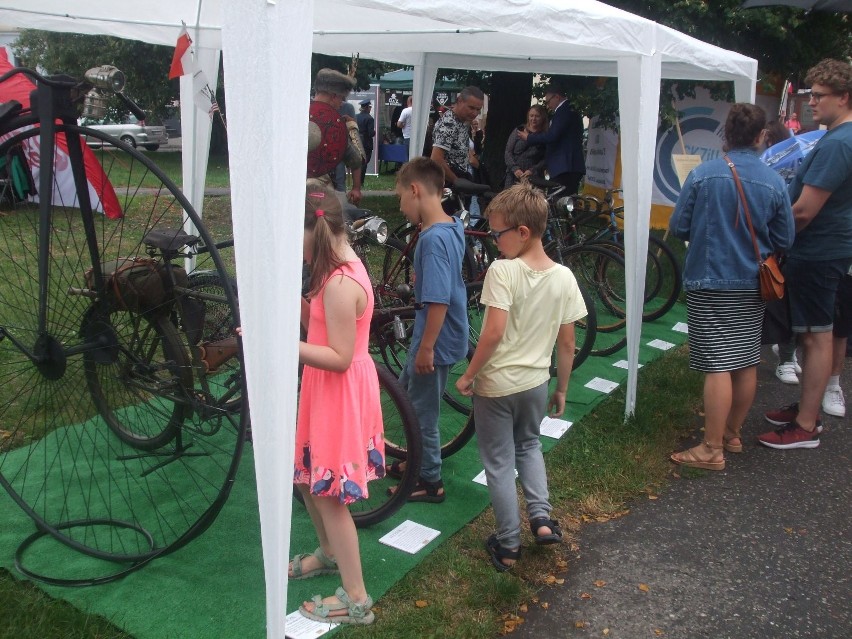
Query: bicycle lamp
[
  {"x": 377, "y": 229},
  {"x": 106, "y": 77},
  {"x": 565, "y": 204}
]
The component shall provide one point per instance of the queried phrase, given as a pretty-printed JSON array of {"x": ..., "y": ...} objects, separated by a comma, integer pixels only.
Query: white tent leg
[
  {"x": 638, "y": 100},
  {"x": 423, "y": 87},
  {"x": 268, "y": 164}
]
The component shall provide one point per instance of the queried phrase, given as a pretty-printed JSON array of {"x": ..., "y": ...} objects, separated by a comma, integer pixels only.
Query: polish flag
[{"x": 182, "y": 61}]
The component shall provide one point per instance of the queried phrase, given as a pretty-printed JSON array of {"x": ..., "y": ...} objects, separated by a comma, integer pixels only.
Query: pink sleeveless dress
[{"x": 339, "y": 443}]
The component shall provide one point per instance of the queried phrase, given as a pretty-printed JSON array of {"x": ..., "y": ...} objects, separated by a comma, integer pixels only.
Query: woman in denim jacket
[{"x": 724, "y": 308}]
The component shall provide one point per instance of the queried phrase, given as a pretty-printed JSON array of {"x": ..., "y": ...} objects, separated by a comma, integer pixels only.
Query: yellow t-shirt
[{"x": 538, "y": 303}]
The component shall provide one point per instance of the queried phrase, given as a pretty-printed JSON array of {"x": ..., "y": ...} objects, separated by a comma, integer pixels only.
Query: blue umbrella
[{"x": 786, "y": 156}]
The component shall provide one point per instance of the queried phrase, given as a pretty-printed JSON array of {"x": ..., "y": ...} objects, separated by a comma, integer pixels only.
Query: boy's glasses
[
  {"x": 816, "y": 96},
  {"x": 496, "y": 234}
]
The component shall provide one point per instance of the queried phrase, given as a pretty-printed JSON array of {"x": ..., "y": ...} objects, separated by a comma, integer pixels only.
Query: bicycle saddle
[
  {"x": 169, "y": 239},
  {"x": 469, "y": 188}
]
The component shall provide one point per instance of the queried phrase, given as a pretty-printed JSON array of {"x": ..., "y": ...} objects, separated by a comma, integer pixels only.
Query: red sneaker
[
  {"x": 790, "y": 436},
  {"x": 786, "y": 415}
]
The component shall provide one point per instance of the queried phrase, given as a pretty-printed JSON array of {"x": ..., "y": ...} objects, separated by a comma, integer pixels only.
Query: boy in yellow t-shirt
[{"x": 531, "y": 304}]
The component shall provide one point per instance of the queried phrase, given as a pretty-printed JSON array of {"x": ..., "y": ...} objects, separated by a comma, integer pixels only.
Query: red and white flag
[{"x": 183, "y": 61}]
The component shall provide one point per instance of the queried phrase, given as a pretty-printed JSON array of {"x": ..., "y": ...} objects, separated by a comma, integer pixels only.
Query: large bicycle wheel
[{"x": 113, "y": 442}]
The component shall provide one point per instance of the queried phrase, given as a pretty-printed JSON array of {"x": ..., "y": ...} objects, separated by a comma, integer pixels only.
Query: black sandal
[
  {"x": 498, "y": 553},
  {"x": 394, "y": 470},
  {"x": 555, "y": 535},
  {"x": 432, "y": 491}
]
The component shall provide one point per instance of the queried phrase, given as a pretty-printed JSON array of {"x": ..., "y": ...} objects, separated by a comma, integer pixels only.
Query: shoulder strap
[{"x": 745, "y": 206}]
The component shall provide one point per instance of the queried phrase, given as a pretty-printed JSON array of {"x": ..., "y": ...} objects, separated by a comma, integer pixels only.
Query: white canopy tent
[{"x": 267, "y": 46}]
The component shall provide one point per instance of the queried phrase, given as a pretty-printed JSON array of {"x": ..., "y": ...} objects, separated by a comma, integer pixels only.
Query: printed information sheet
[
  {"x": 409, "y": 537},
  {"x": 602, "y": 385},
  {"x": 553, "y": 427},
  {"x": 661, "y": 344},
  {"x": 298, "y": 627}
]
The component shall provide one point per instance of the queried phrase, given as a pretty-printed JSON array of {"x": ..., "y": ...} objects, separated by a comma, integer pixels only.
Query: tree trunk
[{"x": 509, "y": 101}]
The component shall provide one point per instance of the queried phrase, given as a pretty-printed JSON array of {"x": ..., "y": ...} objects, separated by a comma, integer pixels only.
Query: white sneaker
[
  {"x": 786, "y": 372},
  {"x": 833, "y": 402},
  {"x": 796, "y": 366}
]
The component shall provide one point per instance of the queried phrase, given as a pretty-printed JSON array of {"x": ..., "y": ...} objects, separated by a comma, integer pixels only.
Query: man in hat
[
  {"x": 367, "y": 131},
  {"x": 335, "y": 143}
]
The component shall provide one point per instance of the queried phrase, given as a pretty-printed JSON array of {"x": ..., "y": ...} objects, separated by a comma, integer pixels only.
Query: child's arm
[
  {"x": 340, "y": 299},
  {"x": 489, "y": 338},
  {"x": 565, "y": 343},
  {"x": 424, "y": 362}
]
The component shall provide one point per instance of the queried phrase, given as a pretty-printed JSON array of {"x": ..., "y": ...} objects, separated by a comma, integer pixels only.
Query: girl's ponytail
[{"x": 323, "y": 216}]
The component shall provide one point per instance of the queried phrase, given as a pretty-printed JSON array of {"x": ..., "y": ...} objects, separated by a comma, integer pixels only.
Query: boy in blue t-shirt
[{"x": 440, "y": 325}]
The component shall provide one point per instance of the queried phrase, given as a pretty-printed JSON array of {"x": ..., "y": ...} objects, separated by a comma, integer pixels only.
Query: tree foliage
[{"x": 146, "y": 66}]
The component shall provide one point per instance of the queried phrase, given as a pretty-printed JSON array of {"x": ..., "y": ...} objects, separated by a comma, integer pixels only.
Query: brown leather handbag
[{"x": 768, "y": 271}]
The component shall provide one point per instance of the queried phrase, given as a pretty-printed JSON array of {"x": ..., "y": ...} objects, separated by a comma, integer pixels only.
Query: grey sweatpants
[{"x": 507, "y": 431}]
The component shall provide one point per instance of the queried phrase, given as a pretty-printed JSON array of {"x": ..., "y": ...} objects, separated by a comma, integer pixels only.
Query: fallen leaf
[
  {"x": 420, "y": 603},
  {"x": 652, "y": 497},
  {"x": 658, "y": 632},
  {"x": 561, "y": 564},
  {"x": 550, "y": 579},
  {"x": 789, "y": 531},
  {"x": 600, "y": 583},
  {"x": 605, "y": 631},
  {"x": 579, "y": 624},
  {"x": 535, "y": 600},
  {"x": 523, "y": 608},
  {"x": 560, "y": 581},
  {"x": 644, "y": 587},
  {"x": 545, "y": 605},
  {"x": 803, "y": 531},
  {"x": 509, "y": 626},
  {"x": 675, "y": 475},
  {"x": 585, "y": 595}
]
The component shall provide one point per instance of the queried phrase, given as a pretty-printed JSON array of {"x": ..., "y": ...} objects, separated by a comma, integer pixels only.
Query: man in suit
[
  {"x": 563, "y": 140},
  {"x": 367, "y": 131}
]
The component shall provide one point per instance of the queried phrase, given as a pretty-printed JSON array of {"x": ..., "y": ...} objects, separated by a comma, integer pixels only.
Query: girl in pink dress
[{"x": 339, "y": 444}]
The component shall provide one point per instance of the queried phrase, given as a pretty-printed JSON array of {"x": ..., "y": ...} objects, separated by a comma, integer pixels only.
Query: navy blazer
[{"x": 564, "y": 142}]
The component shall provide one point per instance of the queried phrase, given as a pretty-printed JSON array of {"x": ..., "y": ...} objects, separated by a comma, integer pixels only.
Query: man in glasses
[
  {"x": 563, "y": 140},
  {"x": 821, "y": 255}
]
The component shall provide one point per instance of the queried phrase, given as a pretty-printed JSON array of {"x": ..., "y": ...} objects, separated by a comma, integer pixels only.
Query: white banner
[{"x": 601, "y": 153}]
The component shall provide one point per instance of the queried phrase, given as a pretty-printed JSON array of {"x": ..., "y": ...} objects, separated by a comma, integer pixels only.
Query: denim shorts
[{"x": 812, "y": 287}]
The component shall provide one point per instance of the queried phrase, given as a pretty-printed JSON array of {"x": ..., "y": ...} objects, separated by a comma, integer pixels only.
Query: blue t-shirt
[
  {"x": 827, "y": 167},
  {"x": 438, "y": 279}
]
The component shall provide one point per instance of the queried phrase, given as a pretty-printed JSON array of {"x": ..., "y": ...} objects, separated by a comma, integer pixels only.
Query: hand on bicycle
[{"x": 556, "y": 404}]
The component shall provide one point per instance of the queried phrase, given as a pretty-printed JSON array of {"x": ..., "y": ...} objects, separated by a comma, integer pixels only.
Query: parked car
[{"x": 132, "y": 131}]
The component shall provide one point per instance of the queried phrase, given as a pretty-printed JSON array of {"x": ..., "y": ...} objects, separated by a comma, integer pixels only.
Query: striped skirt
[{"x": 724, "y": 329}]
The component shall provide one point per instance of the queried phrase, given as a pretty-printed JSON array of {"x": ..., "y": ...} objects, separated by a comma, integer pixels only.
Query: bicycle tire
[
  {"x": 394, "y": 351},
  {"x": 402, "y": 443},
  {"x": 600, "y": 272},
  {"x": 142, "y": 355},
  {"x": 63, "y": 463},
  {"x": 397, "y": 274}
]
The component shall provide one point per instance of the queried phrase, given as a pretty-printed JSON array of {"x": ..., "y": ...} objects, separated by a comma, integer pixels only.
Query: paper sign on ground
[
  {"x": 602, "y": 385},
  {"x": 555, "y": 428},
  {"x": 482, "y": 479},
  {"x": 298, "y": 627},
  {"x": 622, "y": 363},
  {"x": 409, "y": 537},
  {"x": 681, "y": 327},
  {"x": 660, "y": 344}
]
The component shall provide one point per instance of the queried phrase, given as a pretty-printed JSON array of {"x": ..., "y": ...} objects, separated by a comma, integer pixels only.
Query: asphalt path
[{"x": 762, "y": 549}]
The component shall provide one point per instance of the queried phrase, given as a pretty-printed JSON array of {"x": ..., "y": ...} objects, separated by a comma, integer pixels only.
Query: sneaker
[
  {"x": 790, "y": 436},
  {"x": 833, "y": 402},
  {"x": 786, "y": 372},
  {"x": 786, "y": 415},
  {"x": 796, "y": 366}
]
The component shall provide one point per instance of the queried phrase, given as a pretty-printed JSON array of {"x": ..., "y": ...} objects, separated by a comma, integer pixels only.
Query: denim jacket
[{"x": 708, "y": 215}]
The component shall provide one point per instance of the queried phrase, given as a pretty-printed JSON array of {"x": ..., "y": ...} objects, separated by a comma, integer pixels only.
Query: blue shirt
[
  {"x": 827, "y": 167},
  {"x": 708, "y": 215},
  {"x": 438, "y": 279}
]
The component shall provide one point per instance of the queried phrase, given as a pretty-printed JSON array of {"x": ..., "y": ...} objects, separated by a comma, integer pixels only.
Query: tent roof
[{"x": 579, "y": 37}]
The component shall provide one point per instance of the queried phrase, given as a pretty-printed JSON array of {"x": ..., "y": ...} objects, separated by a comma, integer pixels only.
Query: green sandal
[
  {"x": 357, "y": 613},
  {"x": 328, "y": 566}
]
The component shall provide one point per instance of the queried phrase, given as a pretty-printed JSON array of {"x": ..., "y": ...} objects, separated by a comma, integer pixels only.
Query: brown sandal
[
  {"x": 732, "y": 448},
  {"x": 689, "y": 458}
]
